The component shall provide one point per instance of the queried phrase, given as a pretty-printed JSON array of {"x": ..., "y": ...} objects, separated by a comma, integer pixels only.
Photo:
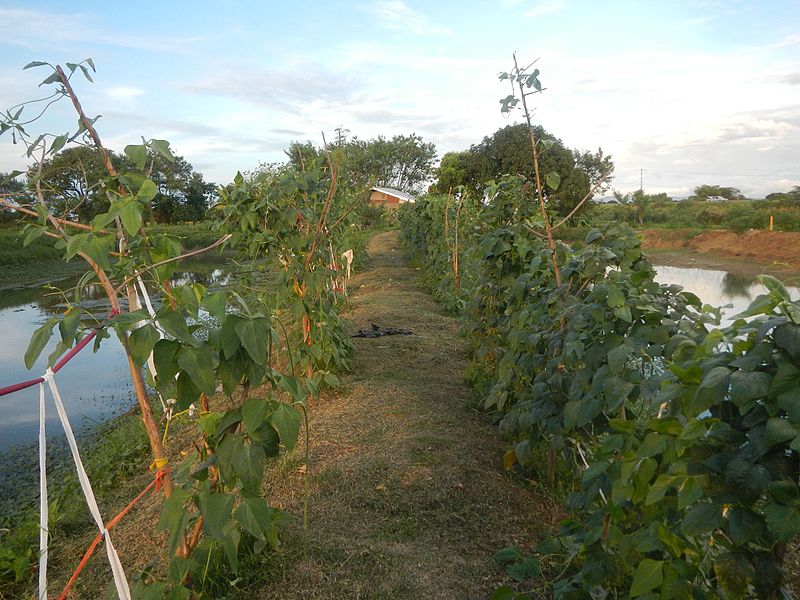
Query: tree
[
  {"x": 404, "y": 162},
  {"x": 508, "y": 151},
  {"x": 790, "y": 198},
  {"x": 704, "y": 192},
  {"x": 70, "y": 184},
  {"x": 453, "y": 171},
  {"x": 198, "y": 197},
  {"x": 11, "y": 185},
  {"x": 69, "y": 181}
]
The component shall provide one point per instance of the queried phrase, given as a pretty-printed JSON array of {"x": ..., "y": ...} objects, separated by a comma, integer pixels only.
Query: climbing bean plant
[
  {"x": 676, "y": 440},
  {"x": 288, "y": 342}
]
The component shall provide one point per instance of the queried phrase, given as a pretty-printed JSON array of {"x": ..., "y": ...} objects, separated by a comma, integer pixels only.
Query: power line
[{"x": 675, "y": 172}]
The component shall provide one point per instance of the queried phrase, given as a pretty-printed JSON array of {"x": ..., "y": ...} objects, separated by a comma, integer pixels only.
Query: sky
[{"x": 679, "y": 92}]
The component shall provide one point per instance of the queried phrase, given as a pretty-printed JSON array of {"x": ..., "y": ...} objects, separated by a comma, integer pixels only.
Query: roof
[{"x": 393, "y": 192}]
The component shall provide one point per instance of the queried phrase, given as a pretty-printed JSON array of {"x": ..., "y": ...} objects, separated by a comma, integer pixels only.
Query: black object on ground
[{"x": 378, "y": 331}]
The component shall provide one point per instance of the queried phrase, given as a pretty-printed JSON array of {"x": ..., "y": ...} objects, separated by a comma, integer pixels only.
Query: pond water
[
  {"x": 718, "y": 288},
  {"x": 94, "y": 386}
]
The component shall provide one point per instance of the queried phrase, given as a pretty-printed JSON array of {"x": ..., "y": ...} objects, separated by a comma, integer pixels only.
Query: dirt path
[{"x": 408, "y": 495}]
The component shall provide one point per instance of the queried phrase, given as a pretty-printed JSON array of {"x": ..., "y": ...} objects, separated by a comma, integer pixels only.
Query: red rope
[
  {"x": 10, "y": 389},
  {"x": 157, "y": 483}
]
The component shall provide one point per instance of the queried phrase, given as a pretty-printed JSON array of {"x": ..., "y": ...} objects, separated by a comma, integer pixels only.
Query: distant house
[
  {"x": 388, "y": 197},
  {"x": 716, "y": 199},
  {"x": 605, "y": 200}
]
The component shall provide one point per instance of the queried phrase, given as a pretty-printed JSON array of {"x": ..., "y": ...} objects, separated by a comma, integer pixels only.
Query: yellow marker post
[{"x": 771, "y": 222}]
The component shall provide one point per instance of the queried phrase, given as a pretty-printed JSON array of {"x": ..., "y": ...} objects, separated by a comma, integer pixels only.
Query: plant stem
[{"x": 550, "y": 241}]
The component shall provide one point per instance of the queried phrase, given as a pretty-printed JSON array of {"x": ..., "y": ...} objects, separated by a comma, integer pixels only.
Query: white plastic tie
[
  {"x": 43, "y": 504},
  {"x": 121, "y": 583}
]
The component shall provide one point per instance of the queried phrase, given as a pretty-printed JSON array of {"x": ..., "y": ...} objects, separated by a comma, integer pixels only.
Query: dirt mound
[{"x": 762, "y": 246}]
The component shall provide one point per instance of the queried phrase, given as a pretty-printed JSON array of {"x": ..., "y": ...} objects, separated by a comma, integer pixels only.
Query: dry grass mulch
[{"x": 408, "y": 497}]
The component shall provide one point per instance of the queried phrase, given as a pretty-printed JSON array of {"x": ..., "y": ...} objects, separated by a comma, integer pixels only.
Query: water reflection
[
  {"x": 718, "y": 288},
  {"x": 95, "y": 386}
]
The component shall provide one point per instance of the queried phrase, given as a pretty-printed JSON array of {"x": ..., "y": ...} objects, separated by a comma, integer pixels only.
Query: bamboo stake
[{"x": 535, "y": 157}]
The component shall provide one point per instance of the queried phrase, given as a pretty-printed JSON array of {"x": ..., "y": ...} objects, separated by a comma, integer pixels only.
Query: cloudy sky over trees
[{"x": 692, "y": 91}]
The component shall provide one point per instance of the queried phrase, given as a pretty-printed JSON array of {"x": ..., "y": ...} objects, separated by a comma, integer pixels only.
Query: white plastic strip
[
  {"x": 121, "y": 583},
  {"x": 151, "y": 365},
  {"x": 43, "y": 506}
]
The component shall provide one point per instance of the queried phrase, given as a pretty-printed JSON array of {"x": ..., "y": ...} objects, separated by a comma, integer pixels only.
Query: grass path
[
  {"x": 408, "y": 498},
  {"x": 408, "y": 495}
]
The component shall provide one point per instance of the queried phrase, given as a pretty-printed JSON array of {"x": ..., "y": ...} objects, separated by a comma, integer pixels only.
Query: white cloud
[
  {"x": 396, "y": 14},
  {"x": 124, "y": 92},
  {"x": 545, "y": 7}
]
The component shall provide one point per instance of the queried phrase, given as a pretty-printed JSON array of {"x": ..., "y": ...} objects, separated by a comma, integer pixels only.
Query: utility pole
[{"x": 641, "y": 180}]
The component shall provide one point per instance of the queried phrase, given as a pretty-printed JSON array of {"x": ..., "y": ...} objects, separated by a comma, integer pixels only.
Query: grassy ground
[
  {"x": 40, "y": 260},
  {"x": 408, "y": 497}
]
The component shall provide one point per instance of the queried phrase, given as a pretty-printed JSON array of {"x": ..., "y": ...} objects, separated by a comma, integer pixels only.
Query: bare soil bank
[{"x": 773, "y": 251}]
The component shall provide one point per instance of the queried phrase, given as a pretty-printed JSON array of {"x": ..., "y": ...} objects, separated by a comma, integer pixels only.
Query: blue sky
[{"x": 692, "y": 91}]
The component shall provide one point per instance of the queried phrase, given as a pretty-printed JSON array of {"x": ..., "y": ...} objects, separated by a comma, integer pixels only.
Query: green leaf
[
  {"x": 58, "y": 143},
  {"x": 230, "y": 545},
  {"x": 68, "y": 327},
  {"x": 527, "y": 568},
  {"x": 787, "y": 336},
  {"x": 648, "y": 576},
  {"x": 199, "y": 365},
  {"x": 776, "y": 289},
  {"x": 147, "y": 191},
  {"x": 216, "y": 510},
  {"x": 165, "y": 357},
  {"x": 715, "y": 377},
  {"x": 659, "y": 488},
  {"x": 615, "y": 296},
  {"x": 510, "y": 554},
  {"x": 162, "y": 147},
  {"x": 33, "y": 234},
  {"x": 618, "y": 358},
  {"x": 286, "y": 420},
  {"x": 783, "y": 522},
  {"x": 249, "y": 466},
  {"x": 689, "y": 492},
  {"x": 35, "y": 63},
  {"x": 654, "y": 443},
  {"x": 39, "y": 340},
  {"x": 553, "y": 180},
  {"x": 186, "y": 391},
  {"x": 215, "y": 304},
  {"x": 254, "y": 413},
  {"x": 785, "y": 492},
  {"x": 254, "y": 335},
  {"x": 174, "y": 324},
  {"x": 138, "y": 155},
  {"x": 53, "y": 78},
  {"x": 504, "y": 593},
  {"x": 745, "y": 526},
  {"x": 231, "y": 371},
  {"x": 779, "y": 430},
  {"x": 142, "y": 342},
  {"x": 255, "y": 516},
  {"x": 733, "y": 572},
  {"x": 702, "y": 518},
  {"x": 131, "y": 216},
  {"x": 747, "y": 386},
  {"x": 174, "y": 518}
]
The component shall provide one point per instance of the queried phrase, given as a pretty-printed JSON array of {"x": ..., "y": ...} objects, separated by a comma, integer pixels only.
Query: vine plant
[
  {"x": 678, "y": 441},
  {"x": 214, "y": 506}
]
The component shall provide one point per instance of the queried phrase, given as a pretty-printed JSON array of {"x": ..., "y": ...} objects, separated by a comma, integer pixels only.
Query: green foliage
[
  {"x": 737, "y": 215},
  {"x": 568, "y": 174},
  {"x": 704, "y": 192},
  {"x": 404, "y": 162},
  {"x": 682, "y": 439},
  {"x": 199, "y": 339}
]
